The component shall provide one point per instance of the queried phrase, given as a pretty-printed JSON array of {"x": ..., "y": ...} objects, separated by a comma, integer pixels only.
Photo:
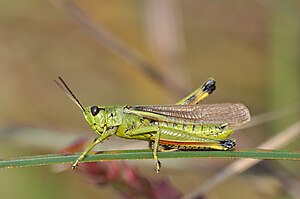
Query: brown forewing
[{"x": 233, "y": 114}]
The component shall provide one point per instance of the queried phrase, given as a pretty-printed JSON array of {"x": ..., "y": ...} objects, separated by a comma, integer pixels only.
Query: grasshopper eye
[{"x": 95, "y": 110}]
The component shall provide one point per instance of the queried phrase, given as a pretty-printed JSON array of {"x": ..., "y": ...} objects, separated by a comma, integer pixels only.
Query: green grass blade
[{"x": 40, "y": 160}]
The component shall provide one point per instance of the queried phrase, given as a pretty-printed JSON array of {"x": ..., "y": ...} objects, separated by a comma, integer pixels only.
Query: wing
[{"x": 226, "y": 113}]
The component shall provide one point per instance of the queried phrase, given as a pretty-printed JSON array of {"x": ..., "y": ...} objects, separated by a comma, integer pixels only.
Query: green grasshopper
[{"x": 183, "y": 126}]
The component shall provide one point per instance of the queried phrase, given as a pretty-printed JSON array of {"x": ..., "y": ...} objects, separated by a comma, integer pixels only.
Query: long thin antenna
[{"x": 68, "y": 91}]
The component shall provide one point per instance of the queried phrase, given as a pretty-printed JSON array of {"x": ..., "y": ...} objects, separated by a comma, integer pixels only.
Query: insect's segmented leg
[
  {"x": 143, "y": 130},
  {"x": 158, "y": 164},
  {"x": 146, "y": 130},
  {"x": 199, "y": 94},
  {"x": 161, "y": 148},
  {"x": 168, "y": 150},
  {"x": 90, "y": 147}
]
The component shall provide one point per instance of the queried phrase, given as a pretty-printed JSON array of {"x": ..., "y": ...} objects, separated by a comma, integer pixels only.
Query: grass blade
[{"x": 40, "y": 160}]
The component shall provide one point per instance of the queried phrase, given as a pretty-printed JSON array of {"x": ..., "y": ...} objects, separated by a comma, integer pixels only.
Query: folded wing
[{"x": 233, "y": 114}]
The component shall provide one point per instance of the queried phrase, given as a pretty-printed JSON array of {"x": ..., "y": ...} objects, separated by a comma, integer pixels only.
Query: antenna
[{"x": 68, "y": 91}]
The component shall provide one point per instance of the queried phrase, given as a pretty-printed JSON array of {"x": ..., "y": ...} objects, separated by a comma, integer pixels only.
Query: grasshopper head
[{"x": 95, "y": 117}]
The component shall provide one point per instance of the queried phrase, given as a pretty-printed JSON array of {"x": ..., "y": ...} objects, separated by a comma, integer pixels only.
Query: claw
[
  {"x": 158, "y": 165},
  {"x": 74, "y": 166},
  {"x": 227, "y": 143}
]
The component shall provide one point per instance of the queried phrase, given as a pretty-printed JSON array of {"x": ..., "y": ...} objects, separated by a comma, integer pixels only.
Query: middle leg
[{"x": 147, "y": 130}]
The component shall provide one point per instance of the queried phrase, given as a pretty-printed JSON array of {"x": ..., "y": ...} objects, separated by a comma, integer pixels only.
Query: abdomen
[{"x": 194, "y": 137}]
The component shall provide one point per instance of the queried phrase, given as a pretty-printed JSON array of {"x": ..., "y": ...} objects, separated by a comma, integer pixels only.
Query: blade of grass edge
[{"x": 48, "y": 159}]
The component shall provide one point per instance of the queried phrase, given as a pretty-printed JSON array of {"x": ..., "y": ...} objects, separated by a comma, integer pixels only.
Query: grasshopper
[{"x": 183, "y": 126}]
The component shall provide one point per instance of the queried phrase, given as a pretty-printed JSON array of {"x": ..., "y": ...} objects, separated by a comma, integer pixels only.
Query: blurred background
[{"x": 145, "y": 52}]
